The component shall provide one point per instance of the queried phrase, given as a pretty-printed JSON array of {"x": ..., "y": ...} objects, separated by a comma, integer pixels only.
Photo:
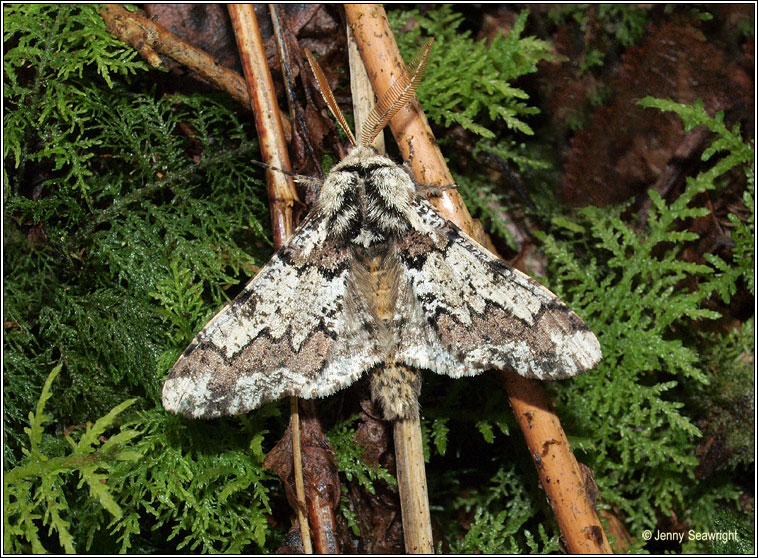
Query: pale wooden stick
[
  {"x": 411, "y": 483},
  {"x": 361, "y": 91},
  {"x": 297, "y": 459},
  {"x": 409, "y": 453},
  {"x": 565, "y": 489},
  {"x": 282, "y": 191}
]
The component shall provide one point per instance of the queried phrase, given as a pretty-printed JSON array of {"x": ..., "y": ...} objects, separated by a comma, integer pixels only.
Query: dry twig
[
  {"x": 282, "y": 191},
  {"x": 409, "y": 454},
  {"x": 556, "y": 464},
  {"x": 150, "y": 39}
]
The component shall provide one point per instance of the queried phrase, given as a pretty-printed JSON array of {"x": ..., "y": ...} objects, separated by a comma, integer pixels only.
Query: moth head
[{"x": 395, "y": 98}]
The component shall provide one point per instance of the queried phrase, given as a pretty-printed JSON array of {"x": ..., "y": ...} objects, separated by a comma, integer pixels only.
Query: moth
[{"x": 375, "y": 281}]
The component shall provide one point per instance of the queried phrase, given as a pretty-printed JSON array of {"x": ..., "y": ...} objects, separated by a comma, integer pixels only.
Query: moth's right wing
[
  {"x": 465, "y": 311},
  {"x": 292, "y": 331}
]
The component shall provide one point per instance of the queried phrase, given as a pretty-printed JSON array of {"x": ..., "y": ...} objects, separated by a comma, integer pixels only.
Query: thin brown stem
[
  {"x": 268, "y": 123},
  {"x": 282, "y": 34},
  {"x": 568, "y": 489},
  {"x": 411, "y": 484},
  {"x": 282, "y": 191},
  {"x": 565, "y": 487},
  {"x": 297, "y": 460},
  {"x": 409, "y": 453}
]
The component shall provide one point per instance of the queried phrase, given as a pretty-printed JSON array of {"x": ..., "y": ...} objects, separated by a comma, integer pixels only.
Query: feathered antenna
[
  {"x": 392, "y": 101},
  {"x": 396, "y": 96},
  {"x": 326, "y": 93}
]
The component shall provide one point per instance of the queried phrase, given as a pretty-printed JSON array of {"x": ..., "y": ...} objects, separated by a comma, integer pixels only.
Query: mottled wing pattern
[
  {"x": 468, "y": 312},
  {"x": 290, "y": 332}
]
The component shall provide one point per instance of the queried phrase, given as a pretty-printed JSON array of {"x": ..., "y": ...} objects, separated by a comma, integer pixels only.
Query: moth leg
[
  {"x": 396, "y": 387},
  {"x": 427, "y": 192},
  {"x": 310, "y": 181}
]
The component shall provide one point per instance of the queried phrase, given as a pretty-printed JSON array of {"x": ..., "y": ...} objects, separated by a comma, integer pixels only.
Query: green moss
[
  {"x": 127, "y": 216},
  {"x": 350, "y": 457},
  {"x": 200, "y": 485},
  {"x": 467, "y": 81},
  {"x": 627, "y": 282},
  {"x": 118, "y": 206},
  {"x": 33, "y": 492},
  {"x": 471, "y": 84}
]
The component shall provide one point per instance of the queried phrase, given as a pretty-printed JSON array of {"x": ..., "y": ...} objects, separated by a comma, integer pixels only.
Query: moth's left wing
[
  {"x": 465, "y": 311},
  {"x": 294, "y": 330}
]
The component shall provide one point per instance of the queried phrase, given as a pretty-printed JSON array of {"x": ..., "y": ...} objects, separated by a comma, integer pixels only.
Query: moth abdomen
[{"x": 396, "y": 388}]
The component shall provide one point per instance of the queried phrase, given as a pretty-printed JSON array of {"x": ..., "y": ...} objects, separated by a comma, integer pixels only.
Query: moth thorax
[{"x": 367, "y": 200}]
